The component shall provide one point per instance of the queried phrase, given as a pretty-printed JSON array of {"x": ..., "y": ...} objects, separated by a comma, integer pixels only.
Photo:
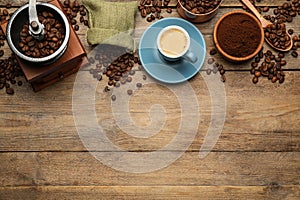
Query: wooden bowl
[
  {"x": 234, "y": 58},
  {"x": 196, "y": 18}
]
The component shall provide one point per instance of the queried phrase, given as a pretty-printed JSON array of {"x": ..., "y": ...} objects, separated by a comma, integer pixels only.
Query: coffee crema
[{"x": 173, "y": 42}]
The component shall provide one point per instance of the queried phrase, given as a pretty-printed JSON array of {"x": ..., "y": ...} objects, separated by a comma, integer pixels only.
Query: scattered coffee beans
[
  {"x": 72, "y": 9},
  {"x": 9, "y": 71},
  {"x": 53, "y": 38},
  {"x": 118, "y": 69},
  {"x": 9, "y": 68},
  {"x": 151, "y": 9},
  {"x": 270, "y": 67}
]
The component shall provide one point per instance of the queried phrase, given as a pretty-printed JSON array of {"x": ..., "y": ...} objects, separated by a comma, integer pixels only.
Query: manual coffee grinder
[{"x": 42, "y": 71}]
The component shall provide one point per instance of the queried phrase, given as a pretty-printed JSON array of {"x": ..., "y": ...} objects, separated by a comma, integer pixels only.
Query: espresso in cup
[{"x": 173, "y": 43}]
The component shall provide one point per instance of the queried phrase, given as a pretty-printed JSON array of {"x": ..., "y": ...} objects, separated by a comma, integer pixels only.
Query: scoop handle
[{"x": 262, "y": 20}]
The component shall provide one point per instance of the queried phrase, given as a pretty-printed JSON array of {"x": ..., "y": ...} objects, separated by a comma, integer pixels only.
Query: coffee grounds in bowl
[{"x": 239, "y": 35}]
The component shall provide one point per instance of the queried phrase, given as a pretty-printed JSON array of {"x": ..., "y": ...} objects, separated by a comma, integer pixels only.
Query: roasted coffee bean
[
  {"x": 291, "y": 31},
  {"x": 152, "y": 17},
  {"x": 143, "y": 13},
  {"x": 283, "y": 62},
  {"x": 76, "y": 27},
  {"x": 13, "y": 81},
  {"x": 81, "y": 19},
  {"x": 5, "y": 12},
  {"x": 169, "y": 10},
  {"x": 219, "y": 66},
  {"x": 295, "y": 38},
  {"x": 1, "y": 53},
  {"x": 129, "y": 79},
  {"x": 66, "y": 2},
  {"x": 255, "y": 80},
  {"x": 129, "y": 92},
  {"x": 10, "y": 91},
  {"x": 295, "y": 54},
  {"x": 274, "y": 79},
  {"x": 213, "y": 51},
  {"x": 254, "y": 64},
  {"x": 113, "y": 97},
  {"x": 208, "y": 71},
  {"x": 139, "y": 85},
  {"x": 281, "y": 55},
  {"x": 73, "y": 21},
  {"x": 149, "y": 19},
  {"x": 281, "y": 80},
  {"x": 222, "y": 71},
  {"x": 266, "y": 9},
  {"x": 20, "y": 83},
  {"x": 223, "y": 78},
  {"x": 257, "y": 73},
  {"x": 210, "y": 61}
]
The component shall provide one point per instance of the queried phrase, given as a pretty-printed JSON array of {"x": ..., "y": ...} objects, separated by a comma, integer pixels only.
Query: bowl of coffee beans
[
  {"x": 238, "y": 36},
  {"x": 197, "y": 11},
  {"x": 55, "y": 34}
]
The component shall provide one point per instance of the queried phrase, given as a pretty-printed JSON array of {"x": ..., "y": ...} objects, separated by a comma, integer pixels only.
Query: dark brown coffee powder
[{"x": 239, "y": 35}]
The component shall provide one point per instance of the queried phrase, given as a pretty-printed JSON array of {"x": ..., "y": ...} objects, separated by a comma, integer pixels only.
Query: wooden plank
[
  {"x": 258, "y": 118},
  {"x": 151, "y": 192},
  {"x": 218, "y": 169}
]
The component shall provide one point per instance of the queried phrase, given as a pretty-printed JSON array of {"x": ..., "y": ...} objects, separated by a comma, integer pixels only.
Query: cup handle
[{"x": 190, "y": 56}]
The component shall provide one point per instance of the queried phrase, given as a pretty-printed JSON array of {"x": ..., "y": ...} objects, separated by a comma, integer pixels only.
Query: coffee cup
[{"x": 173, "y": 43}]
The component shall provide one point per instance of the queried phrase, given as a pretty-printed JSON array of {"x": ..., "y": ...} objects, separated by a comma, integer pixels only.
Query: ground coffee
[{"x": 239, "y": 35}]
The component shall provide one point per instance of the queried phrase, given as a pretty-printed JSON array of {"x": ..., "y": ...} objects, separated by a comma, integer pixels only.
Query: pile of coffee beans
[
  {"x": 54, "y": 34},
  {"x": 9, "y": 71},
  {"x": 72, "y": 9},
  {"x": 200, "y": 6},
  {"x": 151, "y": 9},
  {"x": 116, "y": 65},
  {"x": 9, "y": 68},
  {"x": 277, "y": 35},
  {"x": 270, "y": 67}
]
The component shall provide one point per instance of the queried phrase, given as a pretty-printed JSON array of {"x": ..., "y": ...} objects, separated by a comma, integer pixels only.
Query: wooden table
[{"x": 256, "y": 156}]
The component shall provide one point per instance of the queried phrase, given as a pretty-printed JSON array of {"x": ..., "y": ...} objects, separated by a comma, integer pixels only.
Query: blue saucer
[{"x": 159, "y": 68}]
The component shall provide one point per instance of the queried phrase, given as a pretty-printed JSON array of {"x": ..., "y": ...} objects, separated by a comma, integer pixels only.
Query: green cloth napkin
[{"x": 111, "y": 23}]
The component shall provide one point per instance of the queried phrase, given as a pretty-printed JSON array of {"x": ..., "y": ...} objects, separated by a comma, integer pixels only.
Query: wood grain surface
[{"x": 257, "y": 155}]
